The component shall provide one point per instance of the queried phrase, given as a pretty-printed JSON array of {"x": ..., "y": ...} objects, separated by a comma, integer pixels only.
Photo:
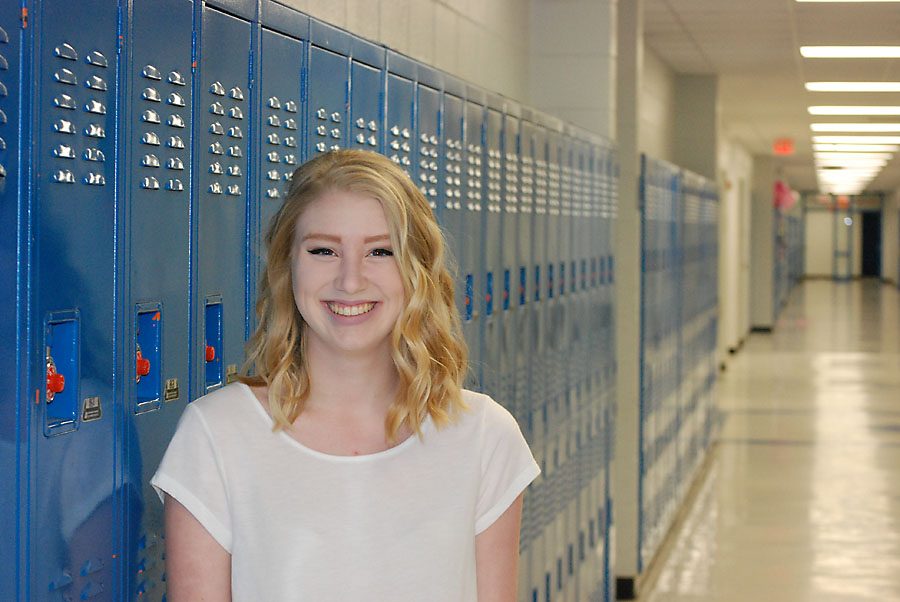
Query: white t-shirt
[{"x": 393, "y": 526}]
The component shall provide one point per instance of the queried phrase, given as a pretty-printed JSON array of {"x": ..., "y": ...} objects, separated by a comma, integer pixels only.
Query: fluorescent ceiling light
[
  {"x": 850, "y": 52},
  {"x": 855, "y": 127},
  {"x": 840, "y": 163},
  {"x": 853, "y": 110},
  {"x": 853, "y": 86},
  {"x": 854, "y": 156},
  {"x": 857, "y": 139},
  {"x": 854, "y": 148},
  {"x": 848, "y": 0}
]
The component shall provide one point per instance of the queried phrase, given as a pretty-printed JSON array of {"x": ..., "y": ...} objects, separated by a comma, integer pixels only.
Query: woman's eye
[
  {"x": 320, "y": 251},
  {"x": 382, "y": 253}
]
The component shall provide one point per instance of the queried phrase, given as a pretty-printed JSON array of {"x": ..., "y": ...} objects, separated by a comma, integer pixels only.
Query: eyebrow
[{"x": 337, "y": 239}]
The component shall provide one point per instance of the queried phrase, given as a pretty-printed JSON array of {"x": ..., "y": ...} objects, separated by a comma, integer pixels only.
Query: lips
[{"x": 342, "y": 309}]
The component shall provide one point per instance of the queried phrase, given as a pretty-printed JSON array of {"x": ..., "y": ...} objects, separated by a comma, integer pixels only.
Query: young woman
[{"x": 351, "y": 466}]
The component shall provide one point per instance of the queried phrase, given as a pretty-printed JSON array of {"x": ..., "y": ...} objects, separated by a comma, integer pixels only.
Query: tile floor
[{"x": 801, "y": 502}]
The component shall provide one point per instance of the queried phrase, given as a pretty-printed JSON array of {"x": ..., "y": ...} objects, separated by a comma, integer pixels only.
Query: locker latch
[
  {"x": 210, "y": 353},
  {"x": 142, "y": 365},
  {"x": 56, "y": 382}
]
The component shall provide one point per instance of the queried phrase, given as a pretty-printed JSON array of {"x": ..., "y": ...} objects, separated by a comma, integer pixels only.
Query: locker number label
[
  {"x": 171, "y": 393},
  {"x": 91, "y": 409}
]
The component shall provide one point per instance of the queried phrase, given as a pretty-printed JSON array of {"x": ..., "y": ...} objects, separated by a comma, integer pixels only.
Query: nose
[{"x": 350, "y": 278}]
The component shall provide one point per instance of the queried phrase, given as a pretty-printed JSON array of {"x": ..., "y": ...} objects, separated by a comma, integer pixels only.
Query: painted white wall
[
  {"x": 819, "y": 248},
  {"x": 657, "y": 109},
  {"x": 762, "y": 244},
  {"x": 735, "y": 172},
  {"x": 573, "y": 61},
  {"x": 483, "y": 42},
  {"x": 890, "y": 239}
]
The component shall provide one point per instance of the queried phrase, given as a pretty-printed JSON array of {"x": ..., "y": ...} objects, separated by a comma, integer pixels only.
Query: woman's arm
[
  {"x": 197, "y": 567},
  {"x": 497, "y": 556}
]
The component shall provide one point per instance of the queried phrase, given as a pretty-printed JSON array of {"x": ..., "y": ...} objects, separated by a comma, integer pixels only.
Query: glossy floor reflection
[{"x": 802, "y": 499}]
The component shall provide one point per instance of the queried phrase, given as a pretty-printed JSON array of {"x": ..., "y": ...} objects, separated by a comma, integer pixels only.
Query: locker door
[
  {"x": 490, "y": 301},
  {"x": 508, "y": 277},
  {"x": 12, "y": 352},
  {"x": 71, "y": 538},
  {"x": 328, "y": 89},
  {"x": 399, "y": 112},
  {"x": 428, "y": 174},
  {"x": 473, "y": 239},
  {"x": 366, "y": 93},
  {"x": 280, "y": 137},
  {"x": 221, "y": 166},
  {"x": 158, "y": 102},
  {"x": 451, "y": 213}
]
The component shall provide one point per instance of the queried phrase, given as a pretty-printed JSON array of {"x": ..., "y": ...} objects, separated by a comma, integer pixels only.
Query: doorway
[{"x": 871, "y": 244}]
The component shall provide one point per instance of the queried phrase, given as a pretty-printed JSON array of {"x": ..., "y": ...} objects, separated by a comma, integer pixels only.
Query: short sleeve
[
  {"x": 507, "y": 466},
  {"x": 191, "y": 473}
]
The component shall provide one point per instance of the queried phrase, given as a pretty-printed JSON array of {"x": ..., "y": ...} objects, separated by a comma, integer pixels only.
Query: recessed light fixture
[
  {"x": 853, "y": 109},
  {"x": 856, "y": 148},
  {"x": 855, "y": 127},
  {"x": 853, "y": 156},
  {"x": 853, "y": 86},
  {"x": 850, "y": 52},
  {"x": 857, "y": 139}
]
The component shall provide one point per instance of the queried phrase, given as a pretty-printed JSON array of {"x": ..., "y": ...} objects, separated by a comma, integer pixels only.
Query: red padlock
[
  {"x": 142, "y": 366},
  {"x": 210, "y": 353},
  {"x": 56, "y": 382}
]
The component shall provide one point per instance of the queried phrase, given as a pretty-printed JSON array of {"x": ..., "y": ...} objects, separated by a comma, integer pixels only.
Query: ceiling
[{"x": 754, "y": 48}]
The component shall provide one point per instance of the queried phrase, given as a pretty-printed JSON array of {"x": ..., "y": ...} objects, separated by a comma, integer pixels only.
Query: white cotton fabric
[{"x": 394, "y": 526}]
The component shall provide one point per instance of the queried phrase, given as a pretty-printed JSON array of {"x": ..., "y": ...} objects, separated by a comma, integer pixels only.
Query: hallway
[{"x": 801, "y": 502}]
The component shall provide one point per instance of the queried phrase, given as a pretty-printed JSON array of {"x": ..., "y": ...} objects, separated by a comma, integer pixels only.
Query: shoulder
[
  {"x": 486, "y": 412},
  {"x": 233, "y": 403}
]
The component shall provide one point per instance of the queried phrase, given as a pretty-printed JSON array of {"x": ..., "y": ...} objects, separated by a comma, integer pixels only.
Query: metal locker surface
[
  {"x": 399, "y": 125},
  {"x": 507, "y": 283},
  {"x": 279, "y": 148},
  {"x": 328, "y": 80},
  {"x": 474, "y": 201},
  {"x": 156, "y": 317},
  {"x": 73, "y": 203},
  {"x": 452, "y": 166},
  {"x": 490, "y": 301},
  {"x": 366, "y": 96},
  {"x": 13, "y": 303},
  {"x": 221, "y": 198},
  {"x": 428, "y": 175}
]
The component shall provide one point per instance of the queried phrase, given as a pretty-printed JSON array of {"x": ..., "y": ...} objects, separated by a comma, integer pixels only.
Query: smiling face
[{"x": 346, "y": 281}]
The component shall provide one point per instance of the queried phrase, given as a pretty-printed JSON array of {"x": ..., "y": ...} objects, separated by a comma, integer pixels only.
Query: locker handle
[
  {"x": 142, "y": 366},
  {"x": 210, "y": 353},
  {"x": 56, "y": 382}
]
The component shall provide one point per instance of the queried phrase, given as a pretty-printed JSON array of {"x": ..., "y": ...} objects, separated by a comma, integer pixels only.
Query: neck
[{"x": 358, "y": 384}]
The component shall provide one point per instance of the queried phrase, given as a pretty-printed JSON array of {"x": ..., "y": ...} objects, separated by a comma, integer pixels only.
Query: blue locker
[
  {"x": 72, "y": 456},
  {"x": 507, "y": 283},
  {"x": 472, "y": 234},
  {"x": 157, "y": 95},
  {"x": 221, "y": 200},
  {"x": 400, "y": 111},
  {"x": 429, "y": 177},
  {"x": 327, "y": 92},
  {"x": 491, "y": 269},
  {"x": 451, "y": 215},
  {"x": 366, "y": 96},
  {"x": 13, "y": 198},
  {"x": 279, "y": 117}
]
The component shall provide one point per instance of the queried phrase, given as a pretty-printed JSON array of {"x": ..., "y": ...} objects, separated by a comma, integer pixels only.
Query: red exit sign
[{"x": 783, "y": 146}]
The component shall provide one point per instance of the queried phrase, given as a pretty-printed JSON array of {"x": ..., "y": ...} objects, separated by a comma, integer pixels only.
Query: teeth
[{"x": 351, "y": 310}]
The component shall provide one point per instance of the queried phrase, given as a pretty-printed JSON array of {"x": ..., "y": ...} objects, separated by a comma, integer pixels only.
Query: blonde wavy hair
[{"x": 428, "y": 349}]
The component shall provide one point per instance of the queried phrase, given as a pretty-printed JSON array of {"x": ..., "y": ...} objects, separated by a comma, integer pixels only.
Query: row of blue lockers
[
  {"x": 787, "y": 260},
  {"x": 144, "y": 146},
  {"x": 679, "y": 298}
]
